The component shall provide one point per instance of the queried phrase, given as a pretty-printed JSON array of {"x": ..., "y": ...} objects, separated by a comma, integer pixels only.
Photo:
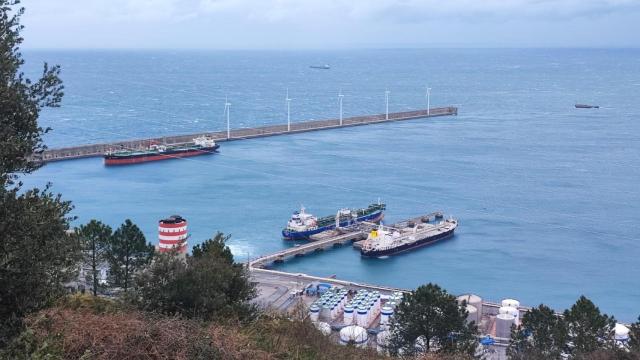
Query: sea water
[{"x": 546, "y": 195}]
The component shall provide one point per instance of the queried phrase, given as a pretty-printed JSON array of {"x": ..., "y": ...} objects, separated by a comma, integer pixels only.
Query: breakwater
[{"x": 92, "y": 150}]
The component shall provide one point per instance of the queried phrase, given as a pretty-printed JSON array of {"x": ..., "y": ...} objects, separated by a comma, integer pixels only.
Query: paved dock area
[
  {"x": 284, "y": 292},
  {"x": 93, "y": 150}
]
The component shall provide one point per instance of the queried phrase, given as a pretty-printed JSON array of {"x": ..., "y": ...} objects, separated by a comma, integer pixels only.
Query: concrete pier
[{"x": 93, "y": 150}]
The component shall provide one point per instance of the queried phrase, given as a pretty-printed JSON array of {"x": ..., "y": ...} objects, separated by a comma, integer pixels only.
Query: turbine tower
[
  {"x": 340, "y": 96},
  {"x": 428, "y": 101},
  {"x": 386, "y": 99},
  {"x": 288, "y": 100},
  {"x": 227, "y": 109}
]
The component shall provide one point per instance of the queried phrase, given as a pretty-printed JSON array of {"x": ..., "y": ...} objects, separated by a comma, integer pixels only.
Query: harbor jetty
[{"x": 93, "y": 150}]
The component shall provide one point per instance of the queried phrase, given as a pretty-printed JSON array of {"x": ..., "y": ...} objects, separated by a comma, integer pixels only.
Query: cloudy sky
[{"x": 294, "y": 24}]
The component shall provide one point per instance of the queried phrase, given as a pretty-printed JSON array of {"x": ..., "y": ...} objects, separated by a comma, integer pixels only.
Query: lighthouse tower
[{"x": 172, "y": 234}]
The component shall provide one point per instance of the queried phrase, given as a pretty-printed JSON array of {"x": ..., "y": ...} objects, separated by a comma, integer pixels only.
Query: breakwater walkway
[{"x": 92, "y": 150}]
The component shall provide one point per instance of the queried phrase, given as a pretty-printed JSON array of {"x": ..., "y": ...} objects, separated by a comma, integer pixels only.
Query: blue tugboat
[{"x": 302, "y": 224}]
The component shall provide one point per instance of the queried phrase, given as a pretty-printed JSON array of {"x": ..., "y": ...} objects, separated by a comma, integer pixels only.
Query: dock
[
  {"x": 94, "y": 150},
  {"x": 285, "y": 292}
]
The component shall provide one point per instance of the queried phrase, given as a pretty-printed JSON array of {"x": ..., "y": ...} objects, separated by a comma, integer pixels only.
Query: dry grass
[{"x": 88, "y": 328}]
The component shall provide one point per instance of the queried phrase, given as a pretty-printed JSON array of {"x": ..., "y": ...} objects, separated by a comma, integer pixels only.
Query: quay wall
[{"x": 93, "y": 150}]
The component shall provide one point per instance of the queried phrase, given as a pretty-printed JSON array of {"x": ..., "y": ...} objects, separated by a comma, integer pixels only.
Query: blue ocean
[{"x": 547, "y": 195}]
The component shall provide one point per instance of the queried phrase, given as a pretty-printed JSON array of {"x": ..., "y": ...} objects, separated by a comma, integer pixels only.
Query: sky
[{"x": 329, "y": 24}]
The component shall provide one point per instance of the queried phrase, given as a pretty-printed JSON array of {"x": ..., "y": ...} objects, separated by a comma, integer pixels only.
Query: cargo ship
[
  {"x": 322, "y": 67},
  {"x": 586, "y": 106},
  {"x": 385, "y": 241},
  {"x": 200, "y": 146},
  {"x": 302, "y": 224}
]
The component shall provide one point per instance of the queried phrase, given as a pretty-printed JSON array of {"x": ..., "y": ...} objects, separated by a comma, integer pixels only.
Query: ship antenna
[
  {"x": 227, "y": 109},
  {"x": 340, "y": 96},
  {"x": 288, "y": 100}
]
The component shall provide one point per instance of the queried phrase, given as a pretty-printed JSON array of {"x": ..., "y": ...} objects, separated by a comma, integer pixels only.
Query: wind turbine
[
  {"x": 340, "y": 96},
  {"x": 386, "y": 99},
  {"x": 227, "y": 109},
  {"x": 288, "y": 100},
  {"x": 428, "y": 101}
]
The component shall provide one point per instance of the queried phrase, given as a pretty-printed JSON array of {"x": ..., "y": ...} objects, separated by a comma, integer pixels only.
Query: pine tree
[
  {"x": 430, "y": 319},
  {"x": 94, "y": 240},
  {"x": 21, "y": 99},
  {"x": 588, "y": 329},
  {"x": 207, "y": 285},
  {"x": 36, "y": 254},
  {"x": 542, "y": 335},
  {"x": 128, "y": 252}
]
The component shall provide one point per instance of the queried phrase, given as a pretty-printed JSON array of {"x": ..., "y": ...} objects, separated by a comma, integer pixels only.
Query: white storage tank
[
  {"x": 621, "y": 333},
  {"x": 382, "y": 341},
  {"x": 510, "y": 310},
  {"x": 324, "y": 328},
  {"x": 511, "y": 303},
  {"x": 348, "y": 315},
  {"x": 385, "y": 315},
  {"x": 503, "y": 325},
  {"x": 353, "y": 334},
  {"x": 473, "y": 300},
  {"x": 314, "y": 312},
  {"x": 325, "y": 311},
  {"x": 334, "y": 311},
  {"x": 361, "y": 316},
  {"x": 472, "y": 314}
]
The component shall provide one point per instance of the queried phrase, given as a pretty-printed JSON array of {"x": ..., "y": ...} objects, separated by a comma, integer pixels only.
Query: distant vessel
[
  {"x": 385, "y": 241},
  {"x": 200, "y": 146},
  {"x": 324, "y": 67},
  {"x": 302, "y": 225},
  {"x": 585, "y": 106}
]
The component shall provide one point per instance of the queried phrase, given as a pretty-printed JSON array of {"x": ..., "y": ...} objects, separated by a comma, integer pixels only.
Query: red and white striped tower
[{"x": 173, "y": 234}]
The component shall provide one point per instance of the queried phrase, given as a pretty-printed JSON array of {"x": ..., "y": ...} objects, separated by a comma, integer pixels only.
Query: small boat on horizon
[
  {"x": 586, "y": 106},
  {"x": 323, "y": 67}
]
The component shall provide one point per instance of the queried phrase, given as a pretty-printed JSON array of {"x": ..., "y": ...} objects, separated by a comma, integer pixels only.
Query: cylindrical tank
[
  {"x": 385, "y": 315},
  {"x": 353, "y": 334},
  {"x": 348, "y": 315},
  {"x": 382, "y": 341},
  {"x": 503, "y": 325},
  {"x": 621, "y": 333},
  {"x": 473, "y": 300},
  {"x": 511, "y": 303},
  {"x": 510, "y": 310},
  {"x": 314, "y": 312},
  {"x": 472, "y": 314},
  {"x": 324, "y": 328},
  {"x": 172, "y": 234},
  {"x": 361, "y": 317},
  {"x": 325, "y": 311}
]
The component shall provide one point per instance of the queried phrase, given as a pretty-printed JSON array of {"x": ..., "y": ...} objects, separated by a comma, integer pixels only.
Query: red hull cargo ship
[{"x": 200, "y": 146}]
